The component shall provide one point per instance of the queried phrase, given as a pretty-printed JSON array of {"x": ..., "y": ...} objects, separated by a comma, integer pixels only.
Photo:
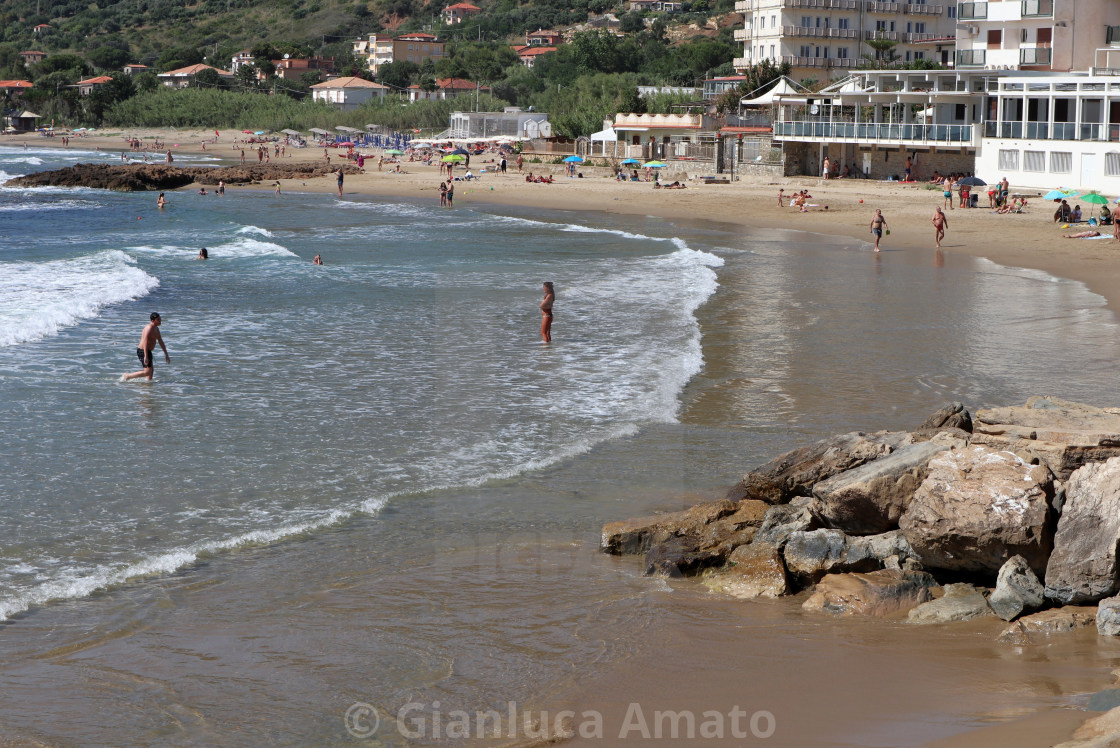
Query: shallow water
[{"x": 368, "y": 482}]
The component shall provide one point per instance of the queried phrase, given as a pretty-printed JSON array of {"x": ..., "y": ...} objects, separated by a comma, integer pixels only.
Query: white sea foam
[
  {"x": 254, "y": 230},
  {"x": 240, "y": 247},
  {"x": 39, "y": 207},
  {"x": 38, "y": 299},
  {"x": 33, "y": 160},
  {"x": 73, "y": 583}
]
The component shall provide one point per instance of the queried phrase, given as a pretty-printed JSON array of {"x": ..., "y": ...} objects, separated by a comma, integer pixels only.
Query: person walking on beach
[
  {"x": 1116, "y": 223},
  {"x": 148, "y": 339},
  {"x": 340, "y": 181},
  {"x": 546, "y": 310},
  {"x": 781, "y": 197},
  {"x": 878, "y": 223},
  {"x": 940, "y": 223},
  {"x": 520, "y": 161},
  {"x": 450, "y": 194},
  {"x": 826, "y": 168}
]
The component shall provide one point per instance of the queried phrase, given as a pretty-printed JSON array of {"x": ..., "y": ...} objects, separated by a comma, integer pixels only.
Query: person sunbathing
[{"x": 1082, "y": 235}]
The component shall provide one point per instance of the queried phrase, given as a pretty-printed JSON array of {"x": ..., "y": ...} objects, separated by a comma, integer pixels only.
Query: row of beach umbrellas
[
  {"x": 624, "y": 162},
  {"x": 1092, "y": 197}
]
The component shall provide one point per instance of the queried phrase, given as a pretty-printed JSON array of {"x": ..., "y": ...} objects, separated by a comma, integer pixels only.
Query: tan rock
[
  {"x": 877, "y": 593},
  {"x": 638, "y": 535},
  {"x": 977, "y": 508},
  {"x": 754, "y": 570},
  {"x": 1085, "y": 565},
  {"x": 1102, "y": 731},
  {"x": 961, "y": 602},
  {"x": 1038, "y": 627}
]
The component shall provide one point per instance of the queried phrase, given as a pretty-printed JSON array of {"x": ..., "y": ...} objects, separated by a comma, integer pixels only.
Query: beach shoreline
[{"x": 968, "y": 233}]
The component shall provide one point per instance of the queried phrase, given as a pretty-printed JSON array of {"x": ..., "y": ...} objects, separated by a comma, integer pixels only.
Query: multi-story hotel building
[{"x": 824, "y": 39}]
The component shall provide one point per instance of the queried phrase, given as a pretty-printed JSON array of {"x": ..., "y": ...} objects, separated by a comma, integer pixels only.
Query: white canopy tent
[
  {"x": 603, "y": 137},
  {"x": 784, "y": 87}
]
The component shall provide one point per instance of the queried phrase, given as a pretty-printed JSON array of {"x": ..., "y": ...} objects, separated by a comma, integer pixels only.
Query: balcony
[
  {"x": 1035, "y": 55},
  {"x": 741, "y": 63},
  {"x": 916, "y": 38},
  {"x": 1038, "y": 9},
  {"x": 878, "y": 7},
  {"x": 819, "y": 33},
  {"x": 744, "y": 6},
  {"x": 1046, "y": 131},
  {"x": 870, "y": 132},
  {"x": 837, "y": 4},
  {"x": 972, "y": 11},
  {"x": 820, "y": 62},
  {"x": 741, "y": 35},
  {"x": 914, "y": 9},
  {"x": 893, "y": 36},
  {"x": 971, "y": 58}
]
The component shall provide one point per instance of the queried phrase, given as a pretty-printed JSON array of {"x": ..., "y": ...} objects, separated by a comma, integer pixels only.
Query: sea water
[{"x": 382, "y": 442}]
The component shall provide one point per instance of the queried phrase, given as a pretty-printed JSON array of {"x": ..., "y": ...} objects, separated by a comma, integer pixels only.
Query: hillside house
[
  {"x": 348, "y": 93},
  {"x": 32, "y": 57},
  {"x": 14, "y": 87},
  {"x": 135, "y": 69},
  {"x": 459, "y": 12},
  {"x": 183, "y": 77},
  {"x": 542, "y": 38},
  {"x": 529, "y": 55},
  {"x": 85, "y": 88},
  {"x": 292, "y": 68},
  {"x": 446, "y": 88}
]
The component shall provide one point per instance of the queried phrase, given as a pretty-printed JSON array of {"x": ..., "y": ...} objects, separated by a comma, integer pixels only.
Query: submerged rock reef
[
  {"x": 152, "y": 177},
  {"x": 1014, "y": 514}
]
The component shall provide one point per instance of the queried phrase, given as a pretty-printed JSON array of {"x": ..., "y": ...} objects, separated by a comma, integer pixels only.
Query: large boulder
[
  {"x": 797, "y": 471},
  {"x": 877, "y": 593},
  {"x": 1038, "y": 627},
  {"x": 752, "y": 571},
  {"x": 1084, "y": 566},
  {"x": 1061, "y": 434},
  {"x": 961, "y": 602},
  {"x": 1108, "y": 617},
  {"x": 810, "y": 555},
  {"x": 639, "y": 535},
  {"x": 680, "y": 557},
  {"x": 1017, "y": 589},
  {"x": 977, "y": 508},
  {"x": 783, "y": 520},
  {"x": 952, "y": 416},
  {"x": 1102, "y": 731},
  {"x": 869, "y": 499}
]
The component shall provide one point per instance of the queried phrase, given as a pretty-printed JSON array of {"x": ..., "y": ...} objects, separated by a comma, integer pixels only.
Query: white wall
[{"x": 1086, "y": 164}]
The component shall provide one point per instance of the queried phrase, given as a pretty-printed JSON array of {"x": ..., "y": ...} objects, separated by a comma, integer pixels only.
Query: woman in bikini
[{"x": 546, "y": 311}]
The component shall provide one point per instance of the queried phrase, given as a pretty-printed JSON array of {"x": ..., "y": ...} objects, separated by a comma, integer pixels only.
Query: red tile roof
[
  {"x": 462, "y": 6},
  {"x": 95, "y": 81},
  {"x": 194, "y": 69},
  {"x": 534, "y": 51},
  {"x": 15, "y": 84}
]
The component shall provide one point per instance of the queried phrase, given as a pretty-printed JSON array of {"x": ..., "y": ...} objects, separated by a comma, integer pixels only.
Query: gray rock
[
  {"x": 783, "y": 520},
  {"x": 869, "y": 499},
  {"x": 680, "y": 556},
  {"x": 1063, "y": 435},
  {"x": 795, "y": 472},
  {"x": 961, "y": 602},
  {"x": 714, "y": 519},
  {"x": 752, "y": 571},
  {"x": 811, "y": 555},
  {"x": 1017, "y": 590},
  {"x": 1038, "y": 627},
  {"x": 877, "y": 593},
  {"x": 1108, "y": 617},
  {"x": 979, "y": 507},
  {"x": 952, "y": 416},
  {"x": 1084, "y": 566},
  {"x": 1103, "y": 701}
]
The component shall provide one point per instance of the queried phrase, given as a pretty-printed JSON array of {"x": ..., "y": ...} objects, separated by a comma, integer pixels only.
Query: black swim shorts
[{"x": 145, "y": 358}]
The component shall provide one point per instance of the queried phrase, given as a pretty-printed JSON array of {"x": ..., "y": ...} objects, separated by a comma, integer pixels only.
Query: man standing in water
[
  {"x": 546, "y": 310},
  {"x": 940, "y": 223},
  {"x": 878, "y": 223},
  {"x": 148, "y": 340},
  {"x": 340, "y": 181}
]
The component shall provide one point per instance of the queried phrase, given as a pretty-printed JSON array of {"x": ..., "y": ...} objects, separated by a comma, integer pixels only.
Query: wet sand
[{"x": 698, "y": 637}]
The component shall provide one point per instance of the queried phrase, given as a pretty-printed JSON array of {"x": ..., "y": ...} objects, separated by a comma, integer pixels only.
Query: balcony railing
[
  {"x": 820, "y": 62},
  {"x": 820, "y": 33},
  {"x": 914, "y": 38},
  {"x": 893, "y": 36},
  {"x": 972, "y": 11},
  {"x": 878, "y": 7},
  {"x": 1035, "y": 55},
  {"x": 741, "y": 35},
  {"x": 870, "y": 131},
  {"x": 838, "y": 4},
  {"x": 1045, "y": 131},
  {"x": 744, "y": 6},
  {"x": 926, "y": 10},
  {"x": 741, "y": 63},
  {"x": 1038, "y": 8},
  {"x": 971, "y": 58}
]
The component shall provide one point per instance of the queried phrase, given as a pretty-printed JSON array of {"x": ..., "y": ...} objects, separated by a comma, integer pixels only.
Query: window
[
  {"x": 773, "y": 22},
  {"x": 842, "y": 52},
  {"x": 1112, "y": 164},
  {"x": 806, "y": 50},
  {"x": 1061, "y": 163},
  {"x": 842, "y": 23},
  {"x": 1034, "y": 161},
  {"x": 771, "y": 50},
  {"x": 952, "y": 11},
  {"x": 920, "y": 27},
  {"x": 818, "y": 22},
  {"x": 806, "y": 22},
  {"x": 880, "y": 25},
  {"x": 892, "y": 25},
  {"x": 1009, "y": 160},
  {"x": 908, "y": 55},
  {"x": 762, "y": 23},
  {"x": 1044, "y": 36},
  {"x": 919, "y": 55},
  {"x": 995, "y": 37}
]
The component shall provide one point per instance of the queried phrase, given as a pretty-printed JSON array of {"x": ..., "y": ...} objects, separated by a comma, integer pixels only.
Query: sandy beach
[{"x": 1031, "y": 240}]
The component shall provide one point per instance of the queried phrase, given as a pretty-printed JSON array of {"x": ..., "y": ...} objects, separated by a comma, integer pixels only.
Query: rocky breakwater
[
  {"x": 152, "y": 177},
  {"x": 1013, "y": 514}
]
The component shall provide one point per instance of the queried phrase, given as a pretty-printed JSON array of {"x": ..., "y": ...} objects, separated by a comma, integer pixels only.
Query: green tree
[
  {"x": 398, "y": 74},
  {"x": 146, "y": 82},
  {"x": 208, "y": 78},
  {"x": 882, "y": 54},
  {"x": 631, "y": 22},
  {"x": 102, "y": 97},
  {"x": 109, "y": 58}
]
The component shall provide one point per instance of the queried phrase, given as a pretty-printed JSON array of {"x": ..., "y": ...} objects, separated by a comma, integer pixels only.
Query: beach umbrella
[
  {"x": 1094, "y": 198},
  {"x": 973, "y": 182},
  {"x": 630, "y": 161},
  {"x": 460, "y": 152},
  {"x": 654, "y": 165},
  {"x": 1056, "y": 195},
  {"x": 573, "y": 160},
  {"x": 453, "y": 157},
  {"x": 394, "y": 152}
]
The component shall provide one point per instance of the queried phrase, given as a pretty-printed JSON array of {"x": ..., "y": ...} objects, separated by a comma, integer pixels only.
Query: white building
[
  {"x": 824, "y": 39},
  {"x": 348, "y": 92},
  {"x": 513, "y": 122},
  {"x": 183, "y": 77}
]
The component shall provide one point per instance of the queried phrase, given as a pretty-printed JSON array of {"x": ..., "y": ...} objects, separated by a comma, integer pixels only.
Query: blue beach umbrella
[
  {"x": 573, "y": 160},
  {"x": 628, "y": 161},
  {"x": 1056, "y": 195}
]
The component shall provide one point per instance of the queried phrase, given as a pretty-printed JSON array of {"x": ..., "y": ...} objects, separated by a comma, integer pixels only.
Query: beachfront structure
[
  {"x": 459, "y": 12},
  {"x": 1044, "y": 35},
  {"x": 512, "y": 122},
  {"x": 1039, "y": 129},
  {"x": 379, "y": 49},
  {"x": 348, "y": 92},
  {"x": 660, "y": 136},
  {"x": 85, "y": 87},
  {"x": 446, "y": 88},
  {"x": 183, "y": 77},
  {"x": 24, "y": 121},
  {"x": 32, "y": 57},
  {"x": 713, "y": 88},
  {"x": 824, "y": 39}
]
